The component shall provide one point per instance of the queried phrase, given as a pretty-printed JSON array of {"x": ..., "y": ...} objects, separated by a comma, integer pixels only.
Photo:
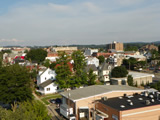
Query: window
[{"x": 48, "y": 89}]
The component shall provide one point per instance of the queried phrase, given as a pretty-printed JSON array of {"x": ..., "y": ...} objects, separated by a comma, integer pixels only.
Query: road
[{"x": 51, "y": 109}]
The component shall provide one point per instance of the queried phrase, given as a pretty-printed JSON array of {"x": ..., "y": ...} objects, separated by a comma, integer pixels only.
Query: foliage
[
  {"x": 156, "y": 85},
  {"x": 37, "y": 55},
  {"x": 80, "y": 76},
  {"x": 159, "y": 49},
  {"x": 52, "y": 65},
  {"x": 101, "y": 59},
  {"x": 155, "y": 54},
  {"x": 118, "y": 72},
  {"x": 63, "y": 77},
  {"x": 130, "y": 80},
  {"x": 91, "y": 78},
  {"x": 14, "y": 84},
  {"x": 46, "y": 63},
  {"x": 131, "y": 48},
  {"x": 33, "y": 110}
]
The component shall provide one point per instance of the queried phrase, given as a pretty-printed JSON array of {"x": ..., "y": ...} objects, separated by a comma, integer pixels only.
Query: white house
[
  {"x": 45, "y": 81},
  {"x": 105, "y": 72},
  {"x": 92, "y": 61}
]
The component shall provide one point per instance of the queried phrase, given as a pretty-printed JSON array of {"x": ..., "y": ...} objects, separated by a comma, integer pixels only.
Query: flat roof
[
  {"x": 95, "y": 90},
  {"x": 139, "y": 74},
  {"x": 118, "y": 102}
]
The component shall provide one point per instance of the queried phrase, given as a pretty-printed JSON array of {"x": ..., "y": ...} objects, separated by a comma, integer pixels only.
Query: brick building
[{"x": 115, "y": 46}]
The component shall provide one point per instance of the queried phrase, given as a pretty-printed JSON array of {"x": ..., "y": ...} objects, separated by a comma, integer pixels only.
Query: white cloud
[
  {"x": 92, "y": 7},
  {"x": 10, "y": 40},
  {"x": 79, "y": 23}
]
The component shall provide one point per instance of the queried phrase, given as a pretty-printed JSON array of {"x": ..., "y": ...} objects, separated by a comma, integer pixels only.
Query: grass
[{"x": 46, "y": 98}]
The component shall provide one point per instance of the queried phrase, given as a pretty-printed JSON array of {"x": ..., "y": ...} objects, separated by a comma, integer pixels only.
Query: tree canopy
[
  {"x": 79, "y": 77},
  {"x": 37, "y": 55},
  {"x": 30, "y": 110},
  {"x": 14, "y": 84},
  {"x": 101, "y": 59},
  {"x": 119, "y": 71},
  {"x": 131, "y": 48},
  {"x": 130, "y": 80},
  {"x": 91, "y": 78},
  {"x": 63, "y": 71}
]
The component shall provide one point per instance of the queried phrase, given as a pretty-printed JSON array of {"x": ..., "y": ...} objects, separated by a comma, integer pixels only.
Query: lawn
[{"x": 46, "y": 98}]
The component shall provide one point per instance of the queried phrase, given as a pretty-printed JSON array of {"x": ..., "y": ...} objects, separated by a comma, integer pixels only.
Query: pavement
[{"x": 51, "y": 109}]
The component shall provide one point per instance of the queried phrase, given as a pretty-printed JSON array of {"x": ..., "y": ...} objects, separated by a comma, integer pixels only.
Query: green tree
[
  {"x": 131, "y": 48},
  {"x": 91, "y": 78},
  {"x": 46, "y": 63},
  {"x": 130, "y": 63},
  {"x": 37, "y": 55},
  {"x": 63, "y": 77},
  {"x": 14, "y": 84},
  {"x": 118, "y": 72},
  {"x": 30, "y": 110},
  {"x": 101, "y": 59},
  {"x": 52, "y": 65},
  {"x": 79, "y": 77},
  {"x": 130, "y": 80}
]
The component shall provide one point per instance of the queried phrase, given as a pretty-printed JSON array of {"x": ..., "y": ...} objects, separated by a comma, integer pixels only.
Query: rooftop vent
[
  {"x": 140, "y": 98},
  {"x": 152, "y": 100},
  {"x": 104, "y": 98},
  {"x": 147, "y": 102},
  {"x": 129, "y": 96},
  {"x": 122, "y": 106},
  {"x": 146, "y": 94},
  {"x": 120, "y": 98},
  {"x": 131, "y": 103},
  {"x": 151, "y": 96},
  {"x": 128, "y": 100},
  {"x": 124, "y": 95}
]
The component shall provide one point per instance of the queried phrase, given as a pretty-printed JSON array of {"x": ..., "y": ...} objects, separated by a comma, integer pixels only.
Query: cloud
[
  {"x": 80, "y": 23},
  {"x": 92, "y": 7},
  {"x": 59, "y": 7},
  {"x": 10, "y": 40},
  {"x": 129, "y": 2}
]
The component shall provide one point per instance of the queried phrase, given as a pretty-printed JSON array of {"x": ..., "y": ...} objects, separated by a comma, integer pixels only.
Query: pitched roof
[
  {"x": 96, "y": 90},
  {"x": 92, "y": 66},
  {"x": 46, "y": 83}
]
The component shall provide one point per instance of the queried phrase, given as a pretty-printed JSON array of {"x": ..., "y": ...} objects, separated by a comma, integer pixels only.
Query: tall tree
[
  {"x": 79, "y": 65},
  {"x": 91, "y": 78},
  {"x": 119, "y": 71},
  {"x": 14, "y": 84},
  {"x": 130, "y": 80},
  {"x": 63, "y": 71},
  {"x": 37, "y": 55}
]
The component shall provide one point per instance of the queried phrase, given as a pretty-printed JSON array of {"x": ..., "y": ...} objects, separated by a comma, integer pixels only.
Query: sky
[{"x": 66, "y": 22}]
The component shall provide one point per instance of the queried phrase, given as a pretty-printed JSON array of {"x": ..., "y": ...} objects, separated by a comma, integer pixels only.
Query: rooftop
[
  {"x": 94, "y": 90},
  {"x": 46, "y": 83},
  {"x": 125, "y": 102}
]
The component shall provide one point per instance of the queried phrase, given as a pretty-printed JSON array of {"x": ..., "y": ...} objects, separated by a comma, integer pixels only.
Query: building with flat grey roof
[
  {"x": 138, "y": 78},
  {"x": 81, "y": 101}
]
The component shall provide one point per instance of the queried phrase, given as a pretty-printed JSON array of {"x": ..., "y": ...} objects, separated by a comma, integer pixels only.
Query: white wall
[{"x": 53, "y": 88}]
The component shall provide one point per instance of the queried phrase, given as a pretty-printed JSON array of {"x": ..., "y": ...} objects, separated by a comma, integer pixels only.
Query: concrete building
[
  {"x": 89, "y": 52},
  {"x": 138, "y": 78},
  {"x": 149, "y": 47},
  {"x": 82, "y": 101},
  {"x": 115, "y": 46},
  {"x": 144, "y": 106}
]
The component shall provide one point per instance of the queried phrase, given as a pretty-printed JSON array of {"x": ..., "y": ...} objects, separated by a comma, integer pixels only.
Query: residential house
[
  {"x": 46, "y": 81},
  {"x": 52, "y": 56},
  {"x": 82, "y": 101},
  {"x": 105, "y": 72},
  {"x": 92, "y": 60}
]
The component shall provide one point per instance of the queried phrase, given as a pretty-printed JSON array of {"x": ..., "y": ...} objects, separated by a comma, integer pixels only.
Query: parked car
[
  {"x": 58, "y": 101},
  {"x": 52, "y": 101}
]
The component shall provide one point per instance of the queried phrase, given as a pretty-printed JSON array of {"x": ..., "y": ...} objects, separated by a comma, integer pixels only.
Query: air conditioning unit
[{"x": 104, "y": 98}]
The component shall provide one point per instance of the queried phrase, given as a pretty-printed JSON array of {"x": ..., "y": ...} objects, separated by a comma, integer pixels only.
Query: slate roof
[
  {"x": 92, "y": 66},
  {"x": 46, "y": 83},
  {"x": 96, "y": 90}
]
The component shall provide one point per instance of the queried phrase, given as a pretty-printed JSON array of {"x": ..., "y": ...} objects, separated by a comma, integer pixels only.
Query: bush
[{"x": 118, "y": 72}]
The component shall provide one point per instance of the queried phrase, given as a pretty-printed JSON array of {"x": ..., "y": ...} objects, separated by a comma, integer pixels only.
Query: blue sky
[{"x": 64, "y": 22}]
